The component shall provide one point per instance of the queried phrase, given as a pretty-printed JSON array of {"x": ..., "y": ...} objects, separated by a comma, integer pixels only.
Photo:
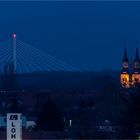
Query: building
[{"x": 130, "y": 74}]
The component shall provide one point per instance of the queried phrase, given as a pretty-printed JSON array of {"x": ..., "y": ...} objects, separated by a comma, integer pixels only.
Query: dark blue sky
[{"x": 86, "y": 35}]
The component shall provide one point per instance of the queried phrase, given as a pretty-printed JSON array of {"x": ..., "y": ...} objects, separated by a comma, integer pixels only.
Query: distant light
[
  {"x": 14, "y": 35},
  {"x": 70, "y": 123}
]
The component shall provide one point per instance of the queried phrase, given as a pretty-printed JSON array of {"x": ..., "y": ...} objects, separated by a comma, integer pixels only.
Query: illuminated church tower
[
  {"x": 125, "y": 73},
  {"x": 136, "y": 73}
]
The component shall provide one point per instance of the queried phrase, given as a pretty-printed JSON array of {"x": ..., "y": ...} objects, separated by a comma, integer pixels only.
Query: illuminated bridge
[{"x": 27, "y": 58}]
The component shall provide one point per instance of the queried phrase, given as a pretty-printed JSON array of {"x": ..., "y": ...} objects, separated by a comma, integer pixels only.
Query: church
[{"x": 130, "y": 73}]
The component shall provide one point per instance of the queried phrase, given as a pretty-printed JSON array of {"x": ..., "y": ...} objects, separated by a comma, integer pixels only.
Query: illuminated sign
[{"x": 14, "y": 126}]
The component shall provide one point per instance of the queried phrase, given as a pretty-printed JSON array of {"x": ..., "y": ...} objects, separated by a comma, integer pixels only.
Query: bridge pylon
[{"x": 14, "y": 37}]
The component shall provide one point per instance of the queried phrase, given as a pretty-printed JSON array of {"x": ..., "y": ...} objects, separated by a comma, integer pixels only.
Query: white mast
[{"x": 14, "y": 53}]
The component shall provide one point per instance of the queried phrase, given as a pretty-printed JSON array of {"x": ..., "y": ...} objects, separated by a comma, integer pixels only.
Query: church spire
[
  {"x": 137, "y": 62},
  {"x": 125, "y": 58},
  {"x": 137, "y": 55},
  {"x": 125, "y": 73},
  {"x": 125, "y": 53}
]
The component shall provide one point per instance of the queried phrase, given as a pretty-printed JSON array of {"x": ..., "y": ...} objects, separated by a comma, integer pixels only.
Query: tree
[
  {"x": 14, "y": 105},
  {"x": 131, "y": 116},
  {"x": 135, "y": 100},
  {"x": 49, "y": 118},
  {"x": 9, "y": 78}
]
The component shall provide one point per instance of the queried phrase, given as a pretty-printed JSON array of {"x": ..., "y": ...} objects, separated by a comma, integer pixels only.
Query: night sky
[{"x": 86, "y": 35}]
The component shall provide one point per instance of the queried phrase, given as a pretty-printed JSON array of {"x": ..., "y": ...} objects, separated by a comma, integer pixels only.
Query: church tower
[
  {"x": 136, "y": 73},
  {"x": 125, "y": 73}
]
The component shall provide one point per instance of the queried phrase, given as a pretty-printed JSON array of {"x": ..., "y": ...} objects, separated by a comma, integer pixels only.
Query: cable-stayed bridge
[{"x": 27, "y": 58}]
